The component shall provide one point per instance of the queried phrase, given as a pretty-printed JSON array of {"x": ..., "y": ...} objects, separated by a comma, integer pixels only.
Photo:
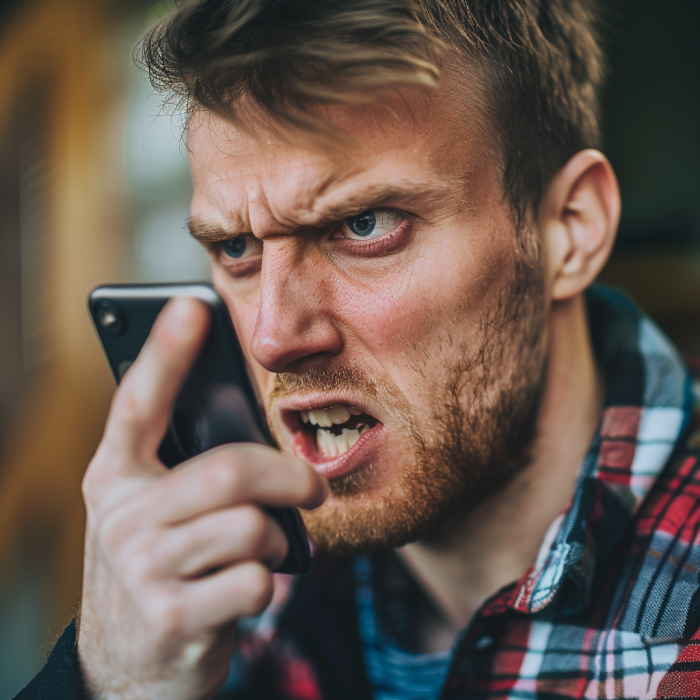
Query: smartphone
[{"x": 218, "y": 403}]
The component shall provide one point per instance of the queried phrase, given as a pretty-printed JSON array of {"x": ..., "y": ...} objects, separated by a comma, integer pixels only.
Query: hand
[{"x": 173, "y": 558}]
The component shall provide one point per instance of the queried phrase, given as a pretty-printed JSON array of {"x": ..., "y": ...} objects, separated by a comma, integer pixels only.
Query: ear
[{"x": 578, "y": 218}]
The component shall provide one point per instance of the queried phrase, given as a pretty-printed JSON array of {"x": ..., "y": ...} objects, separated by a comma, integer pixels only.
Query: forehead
[{"x": 412, "y": 137}]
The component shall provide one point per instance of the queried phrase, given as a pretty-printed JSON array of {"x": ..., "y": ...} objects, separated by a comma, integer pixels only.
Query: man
[{"x": 404, "y": 208}]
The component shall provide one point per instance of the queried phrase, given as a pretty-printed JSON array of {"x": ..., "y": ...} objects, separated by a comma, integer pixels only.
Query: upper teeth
[{"x": 325, "y": 417}]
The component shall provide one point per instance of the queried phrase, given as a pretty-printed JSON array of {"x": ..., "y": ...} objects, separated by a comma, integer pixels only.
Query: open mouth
[{"x": 327, "y": 433}]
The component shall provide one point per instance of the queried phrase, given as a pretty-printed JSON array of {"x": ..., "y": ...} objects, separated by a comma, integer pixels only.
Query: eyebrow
[
  {"x": 401, "y": 194},
  {"x": 207, "y": 233}
]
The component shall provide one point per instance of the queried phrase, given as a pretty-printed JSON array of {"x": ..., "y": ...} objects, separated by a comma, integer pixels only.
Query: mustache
[{"x": 322, "y": 379}]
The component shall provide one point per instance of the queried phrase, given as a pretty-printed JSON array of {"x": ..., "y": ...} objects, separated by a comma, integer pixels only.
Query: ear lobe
[{"x": 578, "y": 217}]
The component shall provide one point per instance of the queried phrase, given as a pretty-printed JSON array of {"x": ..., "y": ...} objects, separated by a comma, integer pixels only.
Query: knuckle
[
  {"x": 95, "y": 482},
  {"x": 126, "y": 413},
  {"x": 126, "y": 403},
  {"x": 253, "y": 527},
  {"x": 165, "y": 613},
  {"x": 140, "y": 565},
  {"x": 223, "y": 475},
  {"x": 257, "y": 581},
  {"x": 115, "y": 531},
  {"x": 89, "y": 490}
]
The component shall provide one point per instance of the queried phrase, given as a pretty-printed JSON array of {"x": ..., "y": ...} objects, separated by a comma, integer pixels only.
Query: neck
[{"x": 496, "y": 543}]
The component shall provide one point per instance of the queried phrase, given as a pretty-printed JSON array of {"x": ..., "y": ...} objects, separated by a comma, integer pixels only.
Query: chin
[{"x": 365, "y": 514}]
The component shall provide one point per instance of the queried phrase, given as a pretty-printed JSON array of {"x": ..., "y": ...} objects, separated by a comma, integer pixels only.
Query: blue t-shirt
[{"x": 393, "y": 672}]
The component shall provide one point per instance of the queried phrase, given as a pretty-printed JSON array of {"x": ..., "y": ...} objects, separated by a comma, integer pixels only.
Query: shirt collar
[{"x": 647, "y": 406}]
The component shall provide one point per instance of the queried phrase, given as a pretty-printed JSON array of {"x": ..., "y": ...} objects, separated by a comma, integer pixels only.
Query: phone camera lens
[
  {"x": 108, "y": 318},
  {"x": 111, "y": 317}
]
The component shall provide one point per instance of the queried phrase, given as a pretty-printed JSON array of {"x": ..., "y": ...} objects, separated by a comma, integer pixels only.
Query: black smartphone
[{"x": 218, "y": 403}]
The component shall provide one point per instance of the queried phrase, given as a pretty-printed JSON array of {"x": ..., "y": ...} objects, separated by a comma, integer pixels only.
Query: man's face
[{"x": 393, "y": 316}]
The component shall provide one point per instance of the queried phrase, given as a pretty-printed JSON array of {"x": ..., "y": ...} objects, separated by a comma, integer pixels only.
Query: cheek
[{"x": 415, "y": 312}]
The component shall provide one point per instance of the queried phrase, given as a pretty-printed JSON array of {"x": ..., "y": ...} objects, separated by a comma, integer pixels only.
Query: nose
[{"x": 295, "y": 328}]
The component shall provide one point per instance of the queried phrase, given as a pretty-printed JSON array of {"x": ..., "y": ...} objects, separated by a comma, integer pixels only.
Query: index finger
[
  {"x": 142, "y": 404},
  {"x": 234, "y": 474}
]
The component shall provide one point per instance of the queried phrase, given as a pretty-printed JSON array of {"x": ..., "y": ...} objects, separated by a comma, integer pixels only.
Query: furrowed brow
[
  {"x": 330, "y": 209},
  {"x": 207, "y": 233}
]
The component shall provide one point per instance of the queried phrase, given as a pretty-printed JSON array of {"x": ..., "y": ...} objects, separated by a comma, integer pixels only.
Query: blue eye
[
  {"x": 235, "y": 247},
  {"x": 363, "y": 224},
  {"x": 372, "y": 223}
]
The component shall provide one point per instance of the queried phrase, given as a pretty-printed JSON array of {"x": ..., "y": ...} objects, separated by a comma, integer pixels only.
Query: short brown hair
[{"x": 540, "y": 64}]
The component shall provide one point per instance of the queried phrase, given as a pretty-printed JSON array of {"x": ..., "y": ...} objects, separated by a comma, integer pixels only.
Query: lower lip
[{"x": 333, "y": 467}]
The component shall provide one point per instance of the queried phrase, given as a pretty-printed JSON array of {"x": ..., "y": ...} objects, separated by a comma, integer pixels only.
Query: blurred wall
[
  {"x": 652, "y": 137},
  {"x": 94, "y": 188},
  {"x": 92, "y": 180},
  {"x": 57, "y": 93}
]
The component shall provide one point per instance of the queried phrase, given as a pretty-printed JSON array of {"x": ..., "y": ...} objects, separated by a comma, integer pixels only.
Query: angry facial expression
[{"x": 391, "y": 312}]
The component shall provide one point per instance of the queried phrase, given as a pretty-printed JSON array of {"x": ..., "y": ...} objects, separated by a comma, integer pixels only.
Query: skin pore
[{"x": 464, "y": 339}]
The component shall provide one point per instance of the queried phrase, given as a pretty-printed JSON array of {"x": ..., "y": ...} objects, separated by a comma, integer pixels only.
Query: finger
[
  {"x": 222, "y": 538},
  {"x": 233, "y": 474},
  {"x": 141, "y": 407},
  {"x": 242, "y": 590}
]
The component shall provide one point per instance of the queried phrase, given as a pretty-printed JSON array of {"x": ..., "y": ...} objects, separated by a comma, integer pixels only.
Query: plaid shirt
[
  {"x": 611, "y": 606},
  {"x": 613, "y": 599}
]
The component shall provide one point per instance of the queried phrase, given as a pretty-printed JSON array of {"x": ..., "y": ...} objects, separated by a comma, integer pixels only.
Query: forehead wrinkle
[
  {"x": 264, "y": 215},
  {"x": 265, "y": 197},
  {"x": 339, "y": 190},
  {"x": 301, "y": 197},
  {"x": 295, "y": 204},
  {"x": 322, "y": 190}
]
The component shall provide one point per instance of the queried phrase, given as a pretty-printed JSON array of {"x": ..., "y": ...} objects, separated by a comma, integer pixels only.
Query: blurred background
[{"x": 94, "y": 188}]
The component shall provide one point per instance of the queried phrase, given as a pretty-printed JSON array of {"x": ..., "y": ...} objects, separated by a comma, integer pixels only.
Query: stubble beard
[{"x": 482, "y": 425}]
